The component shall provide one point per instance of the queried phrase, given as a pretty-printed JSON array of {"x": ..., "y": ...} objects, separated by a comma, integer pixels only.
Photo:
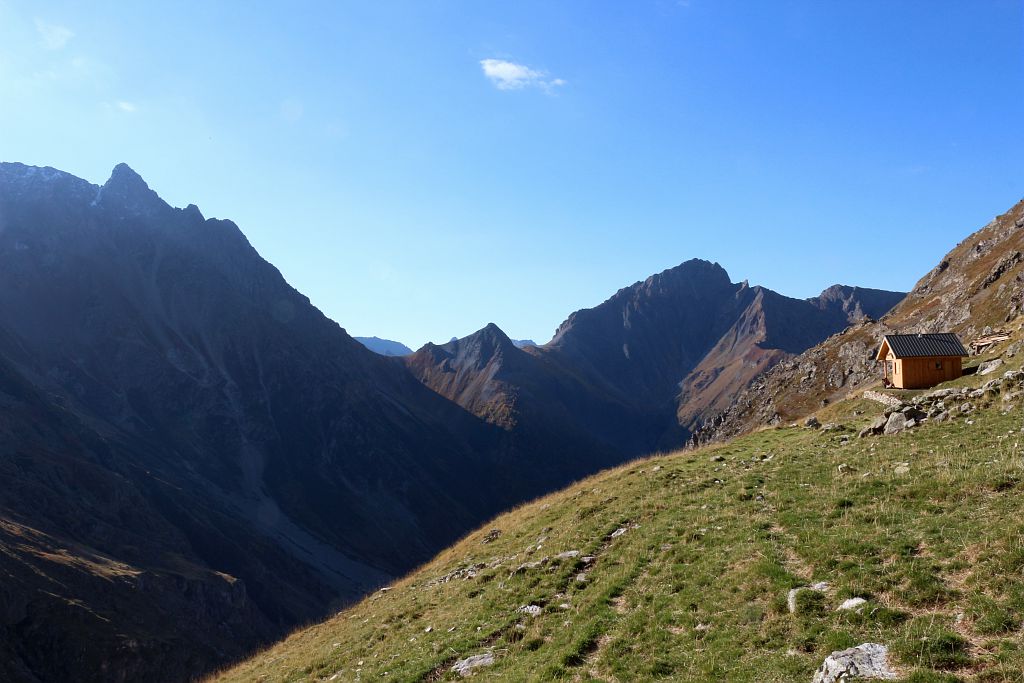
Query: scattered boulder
[
  {"x": 812, "y": 422},
  {"x": 532, "y": 610},
  {"x": 568, "y": 555},
  {"x": 939, "y": 393},
  {"x": 852, "y": 604},
  {"x": 875, "y": 427},
  {"x": 989, "y": 366},
  {"x": 914, "y": 413},
  {"x": 1014, "y": 376},
  {"x": 492, "y": 535},
  {"x": 896, "y": 423},
  {"x": 465, "y": 667},
  {"x": 901, "y": 468},
  {"x": 623, "y": 529},
  {"x": 464, "y": 573},
  {"x": 527, "y": 566},
  {"x": 868, "y": 660}
]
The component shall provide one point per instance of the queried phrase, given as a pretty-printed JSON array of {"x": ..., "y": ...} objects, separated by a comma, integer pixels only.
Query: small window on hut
[{"x": 938, "y": 365}]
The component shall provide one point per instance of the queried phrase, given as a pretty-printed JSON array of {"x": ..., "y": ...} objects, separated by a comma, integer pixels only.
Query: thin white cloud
[
  {"x": 506, "y": 75},
  {"x": 126, "y": 107},
  {"x": 53, "y": 36}
]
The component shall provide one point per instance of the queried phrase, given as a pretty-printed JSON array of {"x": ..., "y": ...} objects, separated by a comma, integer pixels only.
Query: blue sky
[{"x": 422, "y": 168}]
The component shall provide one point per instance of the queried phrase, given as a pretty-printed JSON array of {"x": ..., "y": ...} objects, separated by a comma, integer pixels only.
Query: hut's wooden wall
[{"x": 921, "y": 373}]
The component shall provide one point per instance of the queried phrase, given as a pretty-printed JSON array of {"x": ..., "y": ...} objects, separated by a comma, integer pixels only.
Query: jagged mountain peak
[
  {"x": 122, "y": 172},
  {"x": 127, "y": 188},
  {"x": 688, "y": 273},
  {"x": 481, "y": 346},
  {"x": 692, "y": 279}
]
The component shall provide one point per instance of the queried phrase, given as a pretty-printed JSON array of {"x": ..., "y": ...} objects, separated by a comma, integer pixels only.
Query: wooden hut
[{"x": 919, "y": 361}]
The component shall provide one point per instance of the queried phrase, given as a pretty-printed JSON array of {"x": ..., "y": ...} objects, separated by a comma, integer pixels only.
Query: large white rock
[
  {"x": 868, "y": 660},
  {"x": 464, "y": 667},
  {"x": 852, "y": 603},
  {"x": 989, "y": 366}
]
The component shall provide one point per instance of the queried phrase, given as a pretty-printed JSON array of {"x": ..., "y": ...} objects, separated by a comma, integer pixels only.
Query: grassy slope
[{"x": 695, "y": 589}]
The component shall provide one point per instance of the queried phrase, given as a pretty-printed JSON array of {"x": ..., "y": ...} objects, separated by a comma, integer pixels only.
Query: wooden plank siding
[{"x": 923, "y": 372}]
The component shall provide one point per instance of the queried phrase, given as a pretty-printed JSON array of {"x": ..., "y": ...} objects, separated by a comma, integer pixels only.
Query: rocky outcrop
[
  {"x": 867, "y": 661},
  {"x": 943, "y": 404},
  {"x": 465, "y": 667}
]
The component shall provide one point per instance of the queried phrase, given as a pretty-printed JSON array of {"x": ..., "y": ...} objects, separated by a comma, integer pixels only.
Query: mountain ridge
[{"x": 656, "y": 355}]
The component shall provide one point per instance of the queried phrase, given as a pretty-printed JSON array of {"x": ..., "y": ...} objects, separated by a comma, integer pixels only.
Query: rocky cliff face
[{"x": 979, "y": 284}]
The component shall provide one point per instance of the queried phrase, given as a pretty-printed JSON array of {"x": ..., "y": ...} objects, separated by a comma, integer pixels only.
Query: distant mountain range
[
  {"x": 637, "y": 373},
  {"x": 196, "y": 459},
  {"x": 387, "y": 347},
  {"x": 384, "y": 347}
]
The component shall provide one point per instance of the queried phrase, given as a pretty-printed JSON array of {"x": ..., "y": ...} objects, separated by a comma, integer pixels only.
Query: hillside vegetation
[{"x": 678, "y": 567}]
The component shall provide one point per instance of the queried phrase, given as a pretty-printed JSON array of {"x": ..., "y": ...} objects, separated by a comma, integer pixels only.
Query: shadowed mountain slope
[
  {"x": 545, "y": 406},
  {"x": 205, "y": 431}
]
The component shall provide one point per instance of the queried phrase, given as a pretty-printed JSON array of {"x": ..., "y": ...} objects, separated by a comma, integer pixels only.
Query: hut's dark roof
[{"x": 917, "y": 345}]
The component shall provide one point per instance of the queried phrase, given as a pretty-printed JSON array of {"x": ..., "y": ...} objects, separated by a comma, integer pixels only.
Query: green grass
[{"x": 695, "y": 589}]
